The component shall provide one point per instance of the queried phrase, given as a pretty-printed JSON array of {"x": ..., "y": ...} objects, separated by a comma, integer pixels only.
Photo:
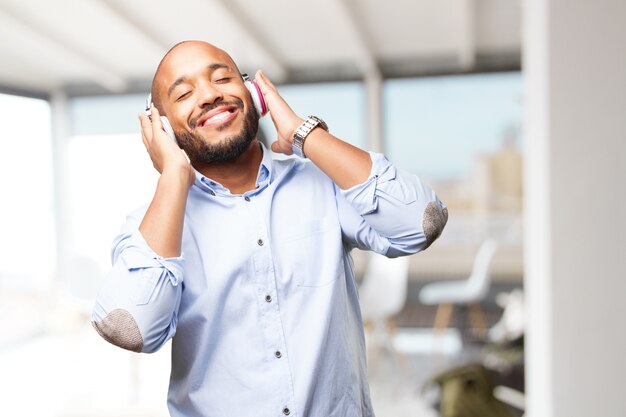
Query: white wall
[{"x": 575, "y": 175}]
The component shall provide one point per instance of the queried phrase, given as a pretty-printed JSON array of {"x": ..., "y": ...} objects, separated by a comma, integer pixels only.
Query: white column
[
  {"x": 373, "y": 91},
  {"x": 575, "y": 213},
  {"x": 62, "y": 208},
  {"x": 467, "y": 32}
]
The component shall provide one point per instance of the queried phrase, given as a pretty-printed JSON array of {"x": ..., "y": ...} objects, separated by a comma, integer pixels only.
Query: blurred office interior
[{"x": 512, "y": 110}]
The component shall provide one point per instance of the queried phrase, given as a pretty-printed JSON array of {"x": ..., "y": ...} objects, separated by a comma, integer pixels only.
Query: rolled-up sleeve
[
  {"x": 136, "y": 307},
  {"x": 393, "y": 212}
]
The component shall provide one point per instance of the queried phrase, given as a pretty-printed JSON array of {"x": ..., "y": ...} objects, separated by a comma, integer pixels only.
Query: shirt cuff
[
  {"x": 363, "y": 196},
  {"x": 137, "y": 254}
]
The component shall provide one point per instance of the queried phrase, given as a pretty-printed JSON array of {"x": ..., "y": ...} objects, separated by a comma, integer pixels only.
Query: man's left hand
[{"x": 283, "y": 117}]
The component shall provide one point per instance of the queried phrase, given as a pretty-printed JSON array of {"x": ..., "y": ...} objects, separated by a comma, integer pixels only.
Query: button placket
[{"x": 267, "y": 292}]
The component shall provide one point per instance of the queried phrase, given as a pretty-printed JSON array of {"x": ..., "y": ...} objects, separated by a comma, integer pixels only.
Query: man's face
[{"x": 206, "y": 102}]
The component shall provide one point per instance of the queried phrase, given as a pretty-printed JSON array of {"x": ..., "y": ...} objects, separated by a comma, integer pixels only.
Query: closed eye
[
  {"x": 223, "y": 80},
  {"x": 183, "y": 95}
]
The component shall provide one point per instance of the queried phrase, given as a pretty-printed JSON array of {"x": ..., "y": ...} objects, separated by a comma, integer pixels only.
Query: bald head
[{"x": 168, "y": 73}]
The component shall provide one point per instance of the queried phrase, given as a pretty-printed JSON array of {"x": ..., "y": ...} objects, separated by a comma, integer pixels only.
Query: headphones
[{"x": 253, "y": 89}]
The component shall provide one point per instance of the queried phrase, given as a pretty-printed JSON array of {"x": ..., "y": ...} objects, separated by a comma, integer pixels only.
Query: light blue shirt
[{"x": 262, "y": 307}]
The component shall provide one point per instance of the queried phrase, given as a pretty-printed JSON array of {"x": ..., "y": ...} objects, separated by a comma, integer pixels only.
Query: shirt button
[
  {"x": 268, "y": 298},
  {"x": 278, "y": 354},
  {"x": 211, "y": 192},
  {"x": 246, "y": 198},
  {"x": 286, "y": 411},
  {"x": 212, "y": 183},
  {"x": 260, "y": 242}
]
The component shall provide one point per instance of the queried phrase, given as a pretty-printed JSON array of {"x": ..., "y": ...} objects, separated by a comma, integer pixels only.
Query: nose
[{"x": 209, "y": 95}]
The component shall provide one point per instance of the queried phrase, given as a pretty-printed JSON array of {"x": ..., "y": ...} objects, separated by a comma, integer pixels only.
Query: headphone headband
[{"x": 149, "y": 103}]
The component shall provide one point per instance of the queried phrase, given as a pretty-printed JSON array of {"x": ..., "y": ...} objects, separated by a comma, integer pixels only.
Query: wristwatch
[{"x": 303, "y": 131}]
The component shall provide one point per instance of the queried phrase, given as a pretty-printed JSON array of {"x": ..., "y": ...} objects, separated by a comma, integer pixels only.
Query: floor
[
  {"x": 77, "y": 375},
  {"x": 74, "y": 374},
  {"x": 399, "y": 382}
]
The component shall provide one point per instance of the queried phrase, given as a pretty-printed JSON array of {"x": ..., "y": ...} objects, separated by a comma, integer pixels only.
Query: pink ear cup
[{"x": 257, "y": 97}]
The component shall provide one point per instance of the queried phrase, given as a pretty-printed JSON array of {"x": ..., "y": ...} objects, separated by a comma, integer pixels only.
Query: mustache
[{"x": 193, "y": 122}]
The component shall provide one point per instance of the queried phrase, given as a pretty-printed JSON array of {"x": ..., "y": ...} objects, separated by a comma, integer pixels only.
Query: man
[{"x": 243, "y": 260}]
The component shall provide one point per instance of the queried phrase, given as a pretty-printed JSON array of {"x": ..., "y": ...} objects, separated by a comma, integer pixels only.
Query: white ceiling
[{"x": 114, "y": 45}]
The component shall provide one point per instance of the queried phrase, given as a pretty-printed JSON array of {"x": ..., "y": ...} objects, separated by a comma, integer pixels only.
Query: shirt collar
[
  {"x": 266, "y": 171},
  {"x": 265, "y": 176}
]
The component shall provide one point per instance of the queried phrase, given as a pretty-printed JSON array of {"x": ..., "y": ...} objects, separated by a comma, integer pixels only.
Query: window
[
  {"x": 462, "y": 135},
  {"x": 341, "y": 105},
  {"x": 27, "y": 244},
  {"x": 436, "y": 126}
]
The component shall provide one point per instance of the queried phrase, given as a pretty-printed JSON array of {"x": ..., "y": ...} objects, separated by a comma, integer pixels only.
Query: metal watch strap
[{"x": 303, "y": 131}]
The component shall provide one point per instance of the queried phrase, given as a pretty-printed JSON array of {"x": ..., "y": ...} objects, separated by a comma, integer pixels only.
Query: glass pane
[
  {"x": 341, "y": 105},
  {"x": 110, "y": 175},
  {"x": 436, "y": 126},
  {"x": 27, "y": 244},
  {"x": 462, "y": 135},
  {"x": 27, "y": 247}
]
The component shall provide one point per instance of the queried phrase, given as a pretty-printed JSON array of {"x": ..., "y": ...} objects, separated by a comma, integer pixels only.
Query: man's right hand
[
  {"x": 164, "y": 152},
  {"x": 162, "y": 226}
]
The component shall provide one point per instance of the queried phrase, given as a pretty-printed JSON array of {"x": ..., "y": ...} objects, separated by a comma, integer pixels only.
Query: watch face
[{"x": 320, "y": 122}]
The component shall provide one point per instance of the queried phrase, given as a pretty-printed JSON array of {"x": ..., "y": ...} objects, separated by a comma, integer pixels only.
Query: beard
[{"x": 229, "y": 148}]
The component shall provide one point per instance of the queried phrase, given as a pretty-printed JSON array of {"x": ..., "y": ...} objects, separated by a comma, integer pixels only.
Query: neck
[{"x": 238, "y": 175}]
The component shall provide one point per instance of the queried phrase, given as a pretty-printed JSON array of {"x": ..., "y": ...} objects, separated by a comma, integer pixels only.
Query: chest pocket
[{"x": 312, "y": 252}]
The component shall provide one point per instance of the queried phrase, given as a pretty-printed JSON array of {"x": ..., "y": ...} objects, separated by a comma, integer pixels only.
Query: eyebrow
[{"x": 183, "y": 79}]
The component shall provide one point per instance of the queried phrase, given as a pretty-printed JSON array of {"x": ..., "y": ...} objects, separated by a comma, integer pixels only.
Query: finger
[
  {"x": 156, "y": 121},
  {"x": 145, "y": 129},
  {"x": 275, "y": 102},
  {"x": 144, "y": 140},
  {"x": 276, "y": 147},
  {"x": 266, "y": 79},
  {"x": 264, "y": 83}
]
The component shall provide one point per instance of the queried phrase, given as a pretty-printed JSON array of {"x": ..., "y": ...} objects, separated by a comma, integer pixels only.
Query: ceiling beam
[
  {"x": 467, "y": 34},
  {"x": 96, "y": 71},
  {"x": 149, "y": 33},
  {"x": 424, "y": 66},
  {"x": 22, "y": 71},
  {"x": 365, "y": 57},
  {"x": 13, "y": 91},
  {"x": 246, "y": 25},
  {"x": 372, "y": 77}
]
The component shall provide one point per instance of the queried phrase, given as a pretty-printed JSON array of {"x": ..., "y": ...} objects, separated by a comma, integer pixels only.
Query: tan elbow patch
[
  {"x": 435, "y": 218},
  {"x": 120, "y": 328}
]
